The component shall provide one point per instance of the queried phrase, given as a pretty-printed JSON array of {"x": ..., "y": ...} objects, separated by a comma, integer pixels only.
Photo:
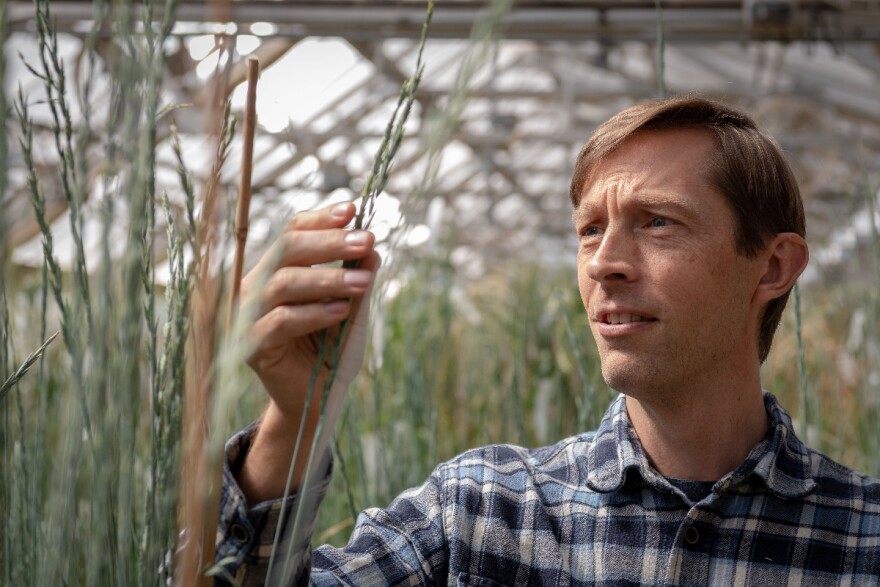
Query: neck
[{"x": 700, "y": 434}]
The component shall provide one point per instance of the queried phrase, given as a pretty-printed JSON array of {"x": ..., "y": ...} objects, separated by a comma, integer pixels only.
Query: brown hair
[{"x": 748, "y": 169}]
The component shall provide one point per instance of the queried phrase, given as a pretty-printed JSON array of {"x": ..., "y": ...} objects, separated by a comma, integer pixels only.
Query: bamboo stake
[{"x": 242, "y": 214}]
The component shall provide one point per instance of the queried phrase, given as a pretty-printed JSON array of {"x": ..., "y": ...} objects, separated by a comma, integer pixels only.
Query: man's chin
[{"x": 629, "y": 375}]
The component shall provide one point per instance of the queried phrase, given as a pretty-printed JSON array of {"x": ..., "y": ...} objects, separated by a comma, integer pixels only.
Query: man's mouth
[{"x": 624, "y": 318}]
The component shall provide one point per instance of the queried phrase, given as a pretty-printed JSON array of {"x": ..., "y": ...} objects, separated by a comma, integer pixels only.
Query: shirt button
[
  {"x": 239, "y": 532},
  {"x": 691, "y": 535}
]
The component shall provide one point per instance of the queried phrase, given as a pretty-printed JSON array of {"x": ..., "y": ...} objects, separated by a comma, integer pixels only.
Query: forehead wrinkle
[
  {"x": 618, "y": 175},
  {"x": 667, "y": 189},
  {"x": 621, "y": 185},
  {"x": 628, "y": 153}
]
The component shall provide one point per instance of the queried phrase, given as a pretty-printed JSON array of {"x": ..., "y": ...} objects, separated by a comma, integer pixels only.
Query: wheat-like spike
[{"x": 24, "y": 367}]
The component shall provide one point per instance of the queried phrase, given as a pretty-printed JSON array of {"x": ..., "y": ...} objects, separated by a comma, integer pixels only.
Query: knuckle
[
  {"x": 290, "y": 241},
  {"x": 274, "y": 288},
  {"x": 330, "y": 280},
  {"x": 276, "y": 320},
  {"x": 290, "y": 321},
  {"x": 299, "y": 219}
]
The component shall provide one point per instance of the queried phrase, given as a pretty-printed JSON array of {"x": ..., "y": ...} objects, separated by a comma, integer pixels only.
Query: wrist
[
  {"x": 263, "y": 474},
  {"x": 278, "y": 423}
]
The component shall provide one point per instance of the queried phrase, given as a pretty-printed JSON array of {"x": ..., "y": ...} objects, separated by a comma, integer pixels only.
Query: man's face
[{"x": 670, "y": 301}]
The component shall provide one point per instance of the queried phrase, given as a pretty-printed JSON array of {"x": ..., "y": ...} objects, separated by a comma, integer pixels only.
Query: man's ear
[{"x": 786, "y": 258}]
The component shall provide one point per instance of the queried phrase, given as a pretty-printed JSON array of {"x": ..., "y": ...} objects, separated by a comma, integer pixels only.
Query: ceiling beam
[{"x": 697, "y": 21}]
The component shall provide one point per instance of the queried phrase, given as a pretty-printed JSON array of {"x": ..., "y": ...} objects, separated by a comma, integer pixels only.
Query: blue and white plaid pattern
[{"x": 590, "y": 510}]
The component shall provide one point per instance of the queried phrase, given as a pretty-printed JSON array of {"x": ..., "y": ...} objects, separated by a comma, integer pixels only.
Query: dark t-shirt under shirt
[{"x": 696, "y": 491}]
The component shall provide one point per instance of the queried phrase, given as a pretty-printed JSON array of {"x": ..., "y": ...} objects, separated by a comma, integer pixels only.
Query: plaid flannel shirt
[{"x": 591, "y": 510}]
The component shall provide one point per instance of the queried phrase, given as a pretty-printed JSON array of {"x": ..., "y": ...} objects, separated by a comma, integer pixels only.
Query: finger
[
  {"x": 283, "y": 323},
  {"x": 303, "y": 249},
  {"x": 333, "y": 216},
  {"x": 312, "y": 247},
  {"x": 297, "y": 285}
]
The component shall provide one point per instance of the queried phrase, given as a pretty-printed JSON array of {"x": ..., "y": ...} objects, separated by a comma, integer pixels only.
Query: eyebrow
[{"x": 650, "y": 201}]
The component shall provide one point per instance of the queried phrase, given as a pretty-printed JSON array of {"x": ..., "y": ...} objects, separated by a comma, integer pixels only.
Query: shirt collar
[{"x": 780, "y": 461}]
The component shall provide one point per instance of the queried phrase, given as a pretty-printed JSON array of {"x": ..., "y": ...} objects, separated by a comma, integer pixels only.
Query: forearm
[{"x": 263, "y": 474}]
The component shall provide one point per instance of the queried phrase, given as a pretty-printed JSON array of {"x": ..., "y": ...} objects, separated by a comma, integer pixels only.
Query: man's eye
[
  {"x": 591, "y": 231},
  {"x": 658, "y": 222}
]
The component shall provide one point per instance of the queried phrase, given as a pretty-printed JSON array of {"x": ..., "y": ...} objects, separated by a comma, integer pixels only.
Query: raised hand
[{"x": 298, "y": 300}]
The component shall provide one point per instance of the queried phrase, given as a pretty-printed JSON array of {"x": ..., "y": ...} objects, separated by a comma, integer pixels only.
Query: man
[{"x": 691, "y": 234}]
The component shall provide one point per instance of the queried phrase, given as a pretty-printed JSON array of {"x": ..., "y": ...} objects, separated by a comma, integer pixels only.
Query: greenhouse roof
[{"x": 808, "y": 71}]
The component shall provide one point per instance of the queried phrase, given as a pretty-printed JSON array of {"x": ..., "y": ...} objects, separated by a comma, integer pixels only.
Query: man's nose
[{"x": 613, "y": 259}]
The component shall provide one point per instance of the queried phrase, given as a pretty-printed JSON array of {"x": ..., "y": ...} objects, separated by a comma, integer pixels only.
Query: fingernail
[
  {"x": 339, "y": 210},
  {"x": 357, "y": 277},
  {"x": 336, "y": 307},
  {"x": 356, "y": 237}
]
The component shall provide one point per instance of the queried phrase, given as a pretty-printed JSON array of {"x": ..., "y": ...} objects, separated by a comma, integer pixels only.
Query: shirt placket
[{"x": 689, "y": 558}]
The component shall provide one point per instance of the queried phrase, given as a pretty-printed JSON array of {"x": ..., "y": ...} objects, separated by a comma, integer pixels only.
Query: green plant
[{"x": 91, "y": 453}]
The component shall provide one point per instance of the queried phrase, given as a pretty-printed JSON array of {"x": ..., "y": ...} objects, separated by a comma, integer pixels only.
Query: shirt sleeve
[
  {"x": 402, "y": 544},
  {"x": 246, "y": 534}
]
